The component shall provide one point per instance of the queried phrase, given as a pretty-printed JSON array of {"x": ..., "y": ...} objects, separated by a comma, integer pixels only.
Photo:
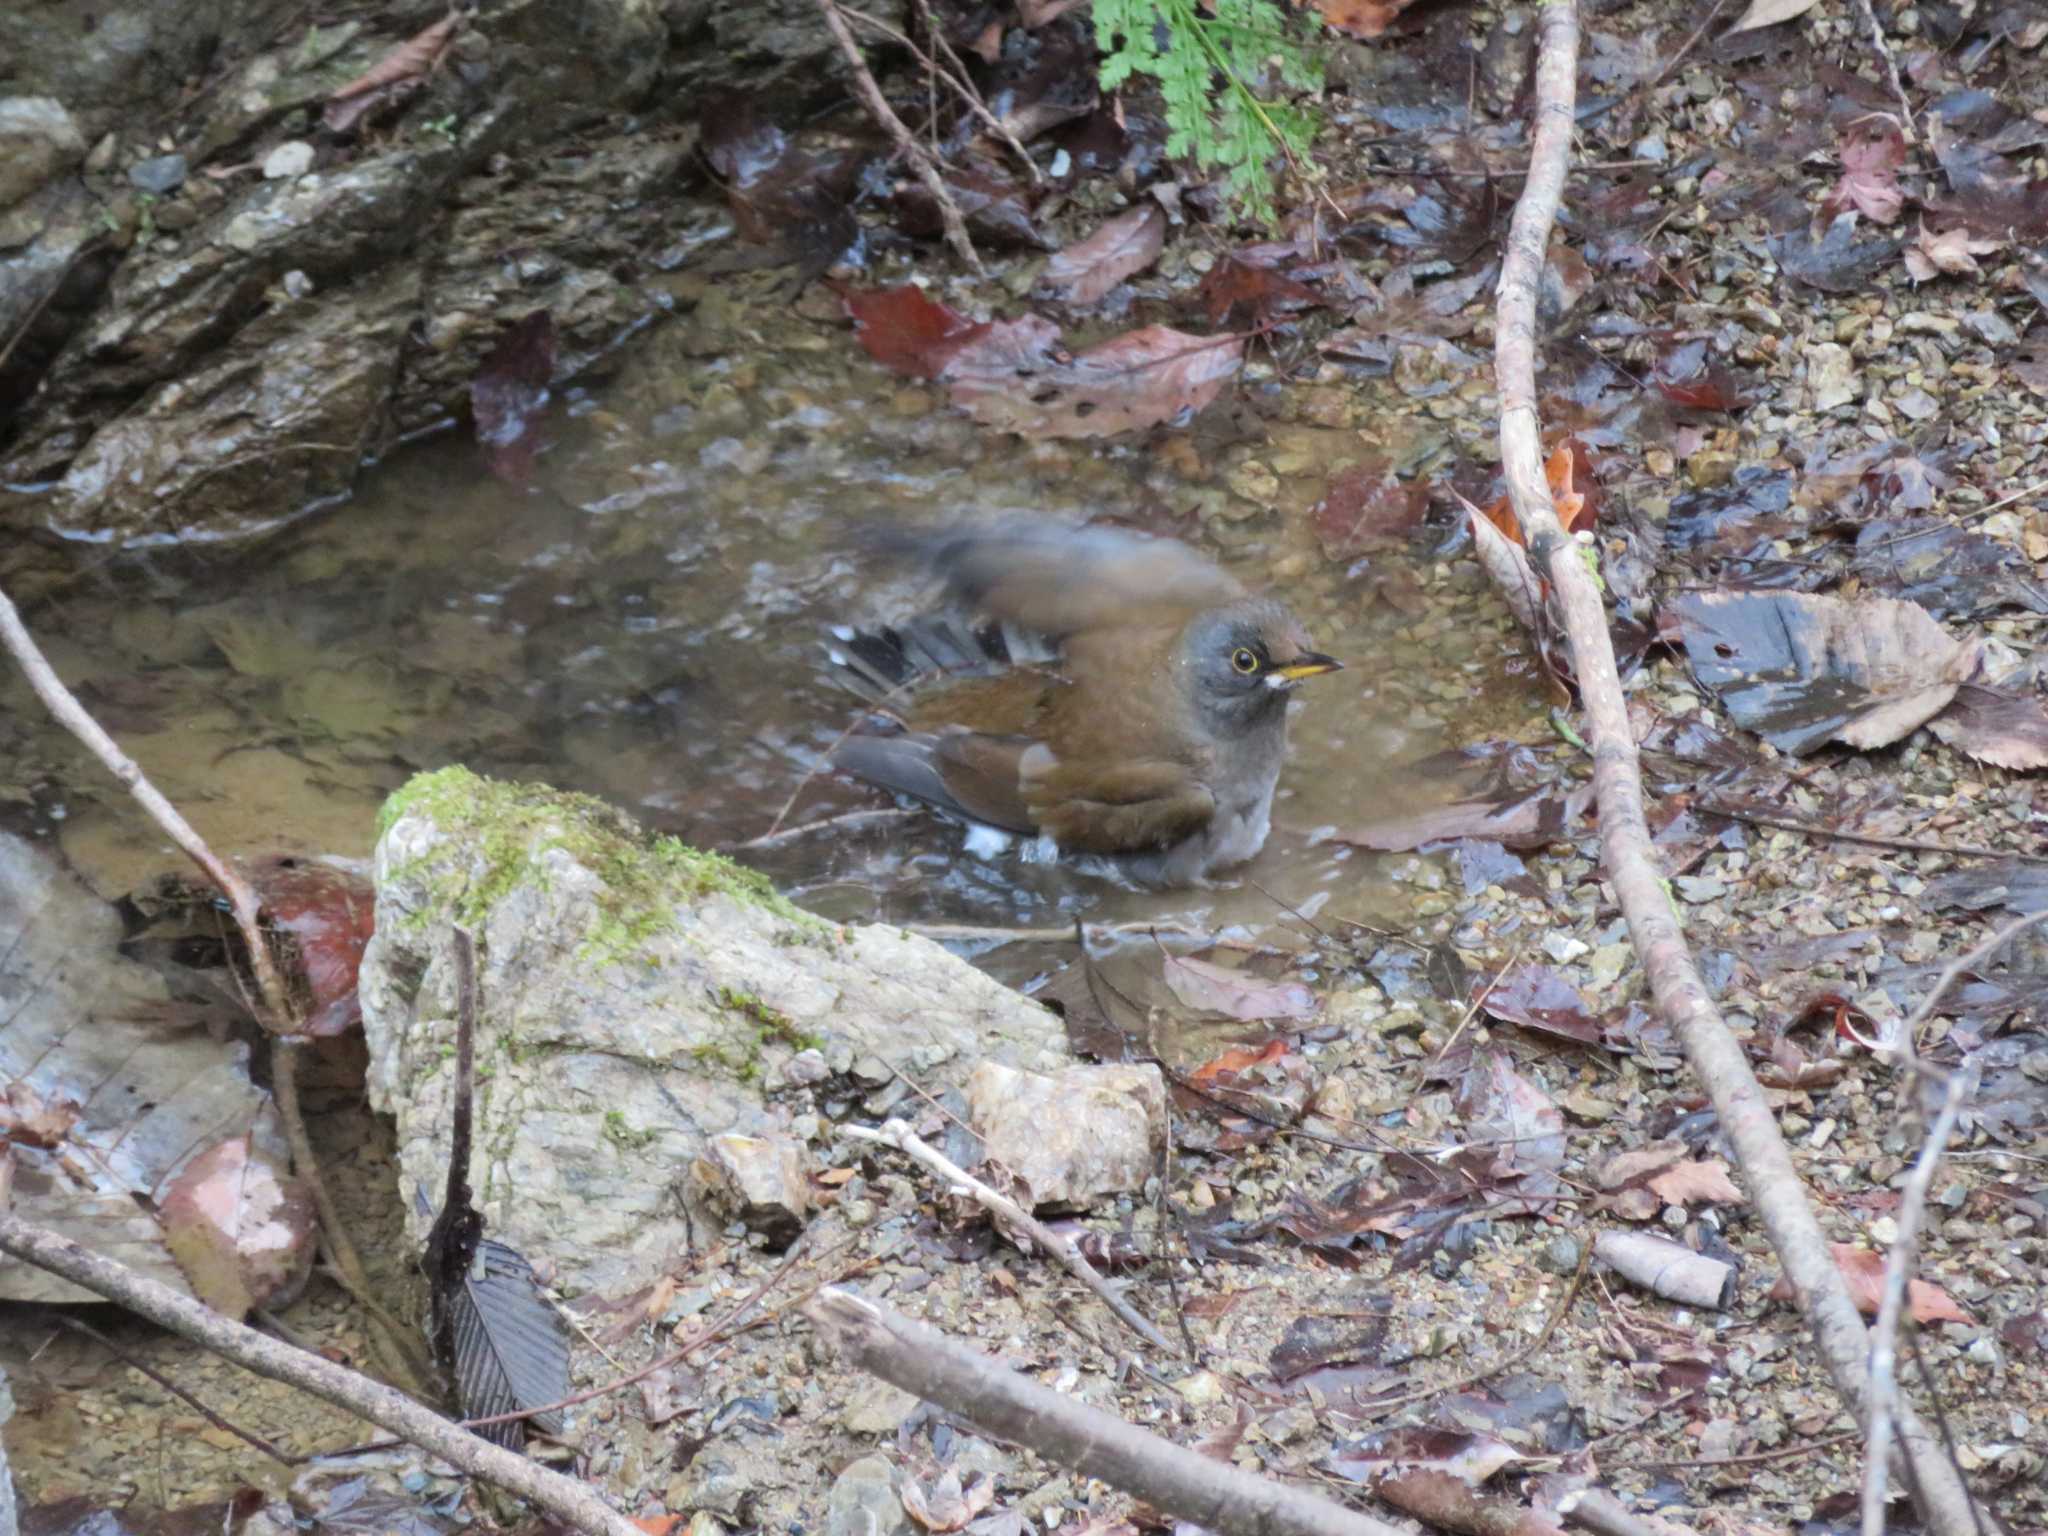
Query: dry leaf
[
  {"x": 1863, "y": 1271},
  {"x": 1953, "y": 250},
  {"x": 1361, "y": 18},
  {"x": 1016, "y": 378},
  {"x": 1768, "y": 13},
  {"x": 1218, "y": 989},
  {"x": 1996, "y": 726},
  {"x": 1704, "y": 1182}
]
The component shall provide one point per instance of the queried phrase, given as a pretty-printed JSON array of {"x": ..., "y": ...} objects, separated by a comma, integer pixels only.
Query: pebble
[
  {"x": 864, "y": 1502},
  {"x": 289, "y": 160},
  {"x": 160, "y": 174}
]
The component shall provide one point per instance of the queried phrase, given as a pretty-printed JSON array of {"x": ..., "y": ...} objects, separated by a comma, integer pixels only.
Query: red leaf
[
  {"x": 1361, "y": 18},
  {"x": 906, "y": 330},
  {"x": 1863, "y": 1270},
  {"x": 1540, "y": 998},
  {"x": 1245, "y": 293},
  {"x": 1687, "y": 376},
  {"x": 1871, "y": 158},
  {"x": 239, "y": 1228},
  {"x": 330, "y": 916},
  {"x": 1365, "y": 504}
]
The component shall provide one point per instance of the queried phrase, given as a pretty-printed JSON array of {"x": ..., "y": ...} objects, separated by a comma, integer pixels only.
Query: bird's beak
[{"x": 1307, "y": 664}]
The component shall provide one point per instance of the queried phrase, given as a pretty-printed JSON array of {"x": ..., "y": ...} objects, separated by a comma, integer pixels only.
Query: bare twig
[
  {"x": 241, "y": 897},
  {"x": 573, "y": 1502},
  {"x": 825, "y": 824},
  {"x": 1898, "y": 1269},
  {"x": 1713, "y": 807},
  {"x": 898, "y": 1134},
  {"x": 247, "y": 1437},
  {"x": 1680, "y": 994},
  {"x": 906, "y": 142},
  {"x": 1597, "y": 1510},
  {"x": 1910, "y": 1033},
  {"x": 1011, "y": 1406},
  {"x": 1891, "y": 69},
  {"x": 957, "y": 78}
]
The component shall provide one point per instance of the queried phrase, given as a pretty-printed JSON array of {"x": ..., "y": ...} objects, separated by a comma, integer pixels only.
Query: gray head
[{"x": 1244, "y": 659}]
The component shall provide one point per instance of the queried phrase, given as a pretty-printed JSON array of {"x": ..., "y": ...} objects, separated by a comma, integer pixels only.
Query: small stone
[
  {"x": 1698, "y": 888},
  {"x": 1830, "y": 375},
  {"x": 876, "y": 1408},
  {"x": 38, "y": 142},
  {"x": 159, "y": 175},
  {"x": 1560, "y": 1255},
  {"x": 762, "y": 1181},
  {"x": 864, "y": 1501},
  {"x": 1072, "y": 1136},
  {"x": 288, "y": 161},
  {"x": 1563, "y": 948},
  {"x": 1917, "y": 405}
]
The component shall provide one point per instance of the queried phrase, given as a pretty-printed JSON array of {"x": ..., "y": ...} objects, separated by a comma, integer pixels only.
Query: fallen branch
[
  {"x": 1012, "y": 1407},
  {"x": 570, "y": 1501},
  {"x": 898, "y": 1134},
  {"x": 1680, "y": 995},
  {"x": 906, "y": 143}
]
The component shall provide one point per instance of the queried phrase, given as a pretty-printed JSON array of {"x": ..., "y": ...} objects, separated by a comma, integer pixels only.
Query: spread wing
[{"x": 1060, "y": 580}]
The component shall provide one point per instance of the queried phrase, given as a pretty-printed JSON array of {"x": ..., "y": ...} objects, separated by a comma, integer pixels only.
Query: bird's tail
[{"x": 885, "y": 666}]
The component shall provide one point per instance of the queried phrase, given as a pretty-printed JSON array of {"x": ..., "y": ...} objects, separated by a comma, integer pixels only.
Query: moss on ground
[{"x": 514, "y": 827}]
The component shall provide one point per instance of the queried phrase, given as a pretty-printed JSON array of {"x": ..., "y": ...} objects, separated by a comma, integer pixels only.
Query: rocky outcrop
[{"x": 642, "y": 1005}]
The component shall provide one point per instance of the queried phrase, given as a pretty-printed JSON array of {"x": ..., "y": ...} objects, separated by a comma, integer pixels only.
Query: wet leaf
[
  {"x": 906, "y": 330},
  {"x": 1688, "y": 376},
  {"x": 510, "y": 394},
  {"x": 239, "y": 1226},
  {"x": 1204, "y": 985},
  {"x": 1243, "y": 293},
  {"x": 1236, "y": 1061},
  {"x": 1871, "y": 157},
  {"x": 1530, "y": 818},
  {"x": 1517, "y": 1130},
  {"x": 1998, "y": 726},
  {"x": 782, "y": 194},
  {"x": 1318, "y": 1339},
  {"x": 1365, "y": 505},
  {"x": 997, "y": 207},
  {"x": 1768, "y": 13},
  {"x": 330, "y": 916},
  {"x": 399, "y": 71},
  {"x": 1834, "y": 261},
  {"x": 1014, "y": 377},
  {"x": 1083, "y": 273},
  {"x": 1539, "y": 998},
  {"x": 1802, "y": 670}
]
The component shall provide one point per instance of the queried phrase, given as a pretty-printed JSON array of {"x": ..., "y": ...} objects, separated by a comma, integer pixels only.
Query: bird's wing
[
  {"x": 1133, "y": 806},
  {"x": 1058, "y": 581},
  {"x": 971, "y": 774}
]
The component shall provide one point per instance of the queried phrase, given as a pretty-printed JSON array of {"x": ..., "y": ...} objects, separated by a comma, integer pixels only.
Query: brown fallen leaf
[
  {"x": 1871, "y": 157},
  {"x": 404, "y": 66},
  {"x": 1014, "y": 377},
  {"x": 1703, "y": 1181},
  {"x": 1218, "y": 989},
  {"x": 1863, "y": 1271},
  {"x": 240, "y": 1228},
  {"x": 1087, "y": 270},
  {"x": 906, "y": 330},
  {"x": 1996, "y": 726},
  {"x": 1953, "y": 251}
]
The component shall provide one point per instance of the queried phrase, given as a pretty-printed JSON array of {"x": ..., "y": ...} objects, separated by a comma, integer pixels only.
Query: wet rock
[
  {"x": 51, "y": 272},
  {"x": 38, "y": 142},
  {"x": 1068, "y": 1137},
  {"x": 761, "y": 44},
  {"x": 761, "y": 1181},
  {"x": 290, "y": 159},
  {"x": 865, "y": 1502},
  {"x": 160, "y": 175},
  {"x": 119, "y": 61},
  {"x": 636, "y": 1003}
]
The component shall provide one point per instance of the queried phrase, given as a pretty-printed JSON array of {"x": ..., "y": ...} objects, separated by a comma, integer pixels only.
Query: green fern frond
[{"x": 1186, "y": 51}]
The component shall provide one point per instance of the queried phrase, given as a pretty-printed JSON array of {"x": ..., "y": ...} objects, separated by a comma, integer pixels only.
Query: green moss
[
  {"x": 771, "y": 1023},
  {"x": 622, "y": 1135},
  {"x": 515, "y": 826}
]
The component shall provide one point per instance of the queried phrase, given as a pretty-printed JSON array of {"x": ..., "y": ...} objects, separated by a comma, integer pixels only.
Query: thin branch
[
  {"x": 241, "y": 898},
  {"x": 1891, "y": 69},
  {"x": 906, "y": 142},
  {"x": 573, "y": 1502},
  {"x": 1627, "y": 855},
  {"x": 1910, "y": 1034},
  {"x": 1712, "y": 807},
  {"x": 1011, "y": 1406},
  {"x": 142, "y": 1368},
  {"x": 1898, "y": 1269},
  {"x": 898, "y": 1134}
]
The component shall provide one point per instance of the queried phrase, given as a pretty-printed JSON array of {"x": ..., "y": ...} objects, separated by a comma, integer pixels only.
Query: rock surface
[
  {"x": 1068, "y": 1137},
  {"x": 637, "y": 1001}
]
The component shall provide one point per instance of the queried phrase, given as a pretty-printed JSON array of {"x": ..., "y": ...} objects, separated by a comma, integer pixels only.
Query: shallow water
[{"x": 645, "y": 622}]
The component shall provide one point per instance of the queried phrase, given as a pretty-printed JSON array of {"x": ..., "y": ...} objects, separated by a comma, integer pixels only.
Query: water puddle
[{"x": 646, "y": 625}]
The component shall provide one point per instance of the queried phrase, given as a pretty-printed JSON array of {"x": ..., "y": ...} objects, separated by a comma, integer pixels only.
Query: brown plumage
[{"x": 1146, "y": 723}]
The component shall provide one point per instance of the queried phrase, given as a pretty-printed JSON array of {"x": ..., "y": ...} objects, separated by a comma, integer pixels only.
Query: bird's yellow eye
[{"x": 1245, "y": 659}]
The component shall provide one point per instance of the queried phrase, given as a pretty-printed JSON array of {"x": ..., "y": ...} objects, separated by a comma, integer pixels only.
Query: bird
[{"x": 1121, "y": 700}]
